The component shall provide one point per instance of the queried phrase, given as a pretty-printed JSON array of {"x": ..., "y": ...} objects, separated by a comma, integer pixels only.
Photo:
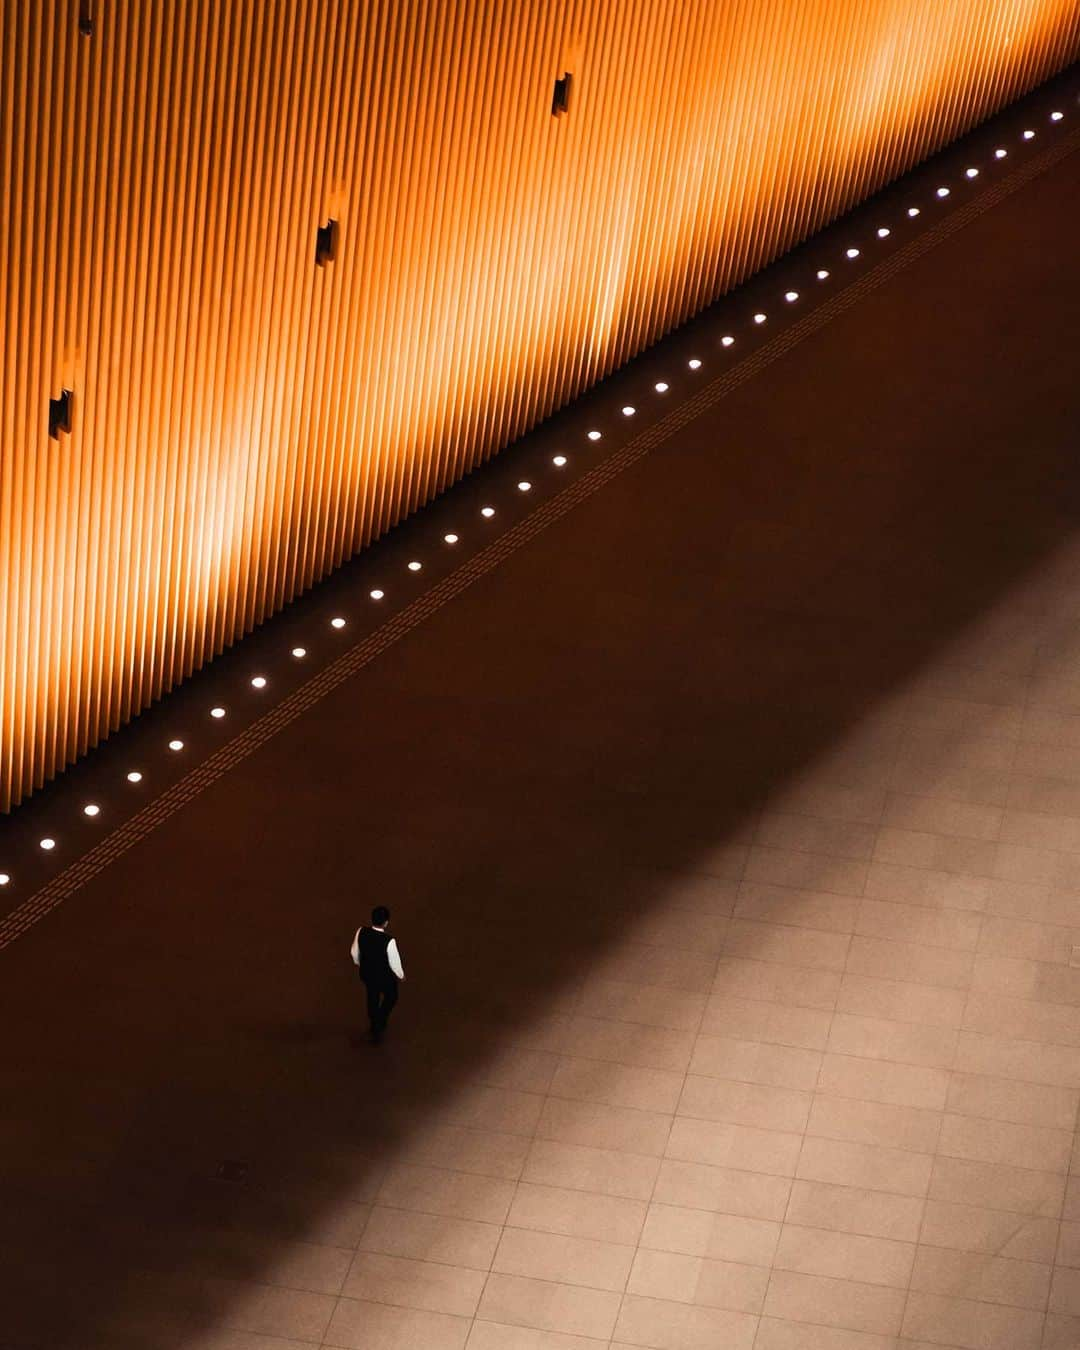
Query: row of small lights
[{"x": 92, "y": 809}]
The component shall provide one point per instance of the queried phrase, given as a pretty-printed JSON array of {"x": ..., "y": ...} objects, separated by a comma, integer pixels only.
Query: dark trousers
[{"x": 381, "y": 998}]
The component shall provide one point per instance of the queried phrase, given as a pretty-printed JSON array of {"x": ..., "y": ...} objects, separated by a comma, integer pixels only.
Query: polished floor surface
[{"x": 732, "y": 833}]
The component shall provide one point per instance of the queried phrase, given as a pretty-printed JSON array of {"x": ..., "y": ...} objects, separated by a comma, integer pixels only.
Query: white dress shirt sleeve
[{"x": 394, "y": 958}]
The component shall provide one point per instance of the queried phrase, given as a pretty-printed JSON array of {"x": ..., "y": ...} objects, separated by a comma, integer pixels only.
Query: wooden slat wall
[{"x": 243, "y": 420}]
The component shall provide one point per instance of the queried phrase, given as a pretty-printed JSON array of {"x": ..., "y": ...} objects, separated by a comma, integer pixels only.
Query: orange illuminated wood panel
[{"x": 242, "y": 417}]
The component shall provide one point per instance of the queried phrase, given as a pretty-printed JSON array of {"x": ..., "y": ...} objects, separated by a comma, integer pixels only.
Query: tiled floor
[{"x": 733, "y": 831}]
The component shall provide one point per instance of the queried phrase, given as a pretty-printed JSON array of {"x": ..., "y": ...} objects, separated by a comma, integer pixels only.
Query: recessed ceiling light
[
  {"x": 1056, "y": 116},
  {"x": 487, "y": 512},
  {"x": 883, "y": 232},
  {"x": 759, "y": 317},
  {"x": 48, "y": 844},
  {"x": 376, "y": 594},
  {"x": 727, "y": 340},
  {"x": 791, "y": 296},
  {"x": 628, "y": 410},
  {"x": 91, "y": 809},
  {"x": 219, "y": 713},
  {"x": 299, "y": 652},
  {"x": 823, "y": 274},
  {"x": 851, "y": 252},
  {"x": 1000, "y": 152},
  {"x": 943, "y": 192},
  {"x": 913, "y": 211},
  {"x": 176, "y": 745},
  {"x": 524, "y": 486},
  {"x": 971, "y": 173},
  {"x": 694, "y": 363},
  {"x": 258, "y": 682},
  {"x": 5, "y": 878},
  {"x": 415, "y": 566},
  {"x": 559, "y": 461},
  {"x": 594, "y": 435},
  {"x": 1029, "y": 135},
  {"x": 661, "y": 386},
  {"x": 450, "y": 538},
  {"x": 338, "y": 622},
  {"x": 134, "y": 776}
]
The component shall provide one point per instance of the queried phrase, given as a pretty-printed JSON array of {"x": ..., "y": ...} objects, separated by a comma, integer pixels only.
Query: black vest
[{"x": 374, "y": 966}]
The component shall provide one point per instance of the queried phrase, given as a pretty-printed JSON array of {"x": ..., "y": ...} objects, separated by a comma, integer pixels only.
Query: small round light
[
  {"x": 759, "y": 317},
  {"x": 217, "y": 713},
  {"x": 524, "y": 486},
  {"x": 971, "y": 173},
  {"x": 629, "y": 410},
  {"x": 823, "y": 274},
  {"x": 661, "y": 386},
  {"x": 883, "y": 232},
  {"x": 559, "y": 461},
  {"x": 694, "y": 363},
  {"x": 176, "y": 745},
  {"x": 376, "y": 594},
  {"x": 339, "y": 622},
  {"x": 1029, "y": 135},
  {"x": 913, "y": 211},
  {"x": 299, "y": 652},
  {"x": 594, "y": 435},
  {"x": 134, "y": 776},
  {"x": 791, "y": 296},
  {"x": 48, "y": 844},
  {"x": 91, "y": 809},
  {"x": 1000, "y": 152},
  {"x": 258, "y": 682},
  {"x": 450, "y": 538},
  {"x": 851, "y": 253},
  {"x": 415, "y": 566},
  {"x": 943, "y": 192},
  {"x": 1056, "y": 116},
  {"x": 487, "y": 512},
  {"x": 727, "y": 340},
  {"x": 5, "y": 878}
]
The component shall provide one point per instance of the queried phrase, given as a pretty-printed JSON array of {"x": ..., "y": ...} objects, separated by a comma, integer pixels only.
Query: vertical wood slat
[{"x": 245, "y": 420}]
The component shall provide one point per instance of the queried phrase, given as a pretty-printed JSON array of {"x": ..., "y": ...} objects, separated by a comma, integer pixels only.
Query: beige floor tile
[
  {"x": 414, "y": 1284},
  {"x": 906, "y": 1127},
  {"x": 1021, "y": 978},
  {"x": 815, "y": 834},
  {"x": 790, "y": 946},
  {"x": 831, "y": 1302},
  {"x": 768, "y": 1108},
  {"x": 1023, "y": 1019},
  {"x": 1071, "y": 1206},
  {"x": 604, "y": 1171},
  {"x": 808, "y": 871},
  {"x": 971, "y": 1325},
  {"x": 895, "y": 1171},
  {"x": 899, "y": 1001},
  {"x": 926, "y": 886},
  {"x": 596, "y": 1125},
  {"x": 625, "y": 1043},
  {"x": 1034, "y": 902},
  {"x": 1000, "y": 1141},
  {"x": 724, "y": 1190},
  {"x": 685, "y": 929},
  {"x": 829, "y": 802},
  {"x": 666, "y": 967},
  {"x": 377, "y": 1326},
  {"x": 1005, "y": 1099},
  {"x": 1069, "y": 1248},
  {"x": 994, "y": 1232},
  {"x": 847, "y": 1256},
  {"x": 937, "y": 852},
  {"x": 430, "y": 1237},
  {"x": 756, "y": 1020},
  {"x": 549, "y": 1306},
  {"x": 563, "y": 1259},
  {"x": 644, "y": 1004},
  {"x": 755, "y": 1062},
  {"x": 974, "y": 1275},
  {"x": 459, "y": 1195},
  {"x": 554, "y": 1209},
  {"x": 490, "y": 1108},
  {"x": 940, "y": 816},
  {"x": 696, "y": 1279},
  {"x": 797, "y": 908},
  {"x": 500, "y": 1336},
  {"x": 525, "y": 1070},
  {"x": 775, "y": 1334},
  {"x": 1000, "y": 1057},
  {"x": 873, "y": 1080},
  {"x": 899, "y": 1042},
  {"x": 738, "y": 1146},
  {"x": 699, "y": 1232},
  {"x": 1065, "y": 1291},
  {"x": 957, "y": 1180},
  {"x": 854, "y": 1209},
  {"x": 1030, "y": 941},
  {"x": 663, "y": 1324},
  {"x": 594, "y": 1080},
  {"x": 485, "y": 1152},
  {"x": 888, "y": 921},
  {"x": 908, "y": 961},
  {"x": 680, "y": 889},
  {"x": 1061, "y": 1332},
  {"x": 769, "y": 982}
]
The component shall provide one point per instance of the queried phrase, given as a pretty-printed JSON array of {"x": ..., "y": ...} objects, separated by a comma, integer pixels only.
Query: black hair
[{"x": 379, "y": 916}]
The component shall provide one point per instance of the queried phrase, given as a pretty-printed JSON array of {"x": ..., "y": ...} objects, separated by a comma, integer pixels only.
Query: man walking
[{"x": 378, "y": 960}]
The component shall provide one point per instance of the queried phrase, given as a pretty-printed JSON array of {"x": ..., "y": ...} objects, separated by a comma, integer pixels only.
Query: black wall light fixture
[
  {"x": 560, "y": 99},
  {"x": 326, "y": 243},
  {"x": 60, "y": 414}
]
